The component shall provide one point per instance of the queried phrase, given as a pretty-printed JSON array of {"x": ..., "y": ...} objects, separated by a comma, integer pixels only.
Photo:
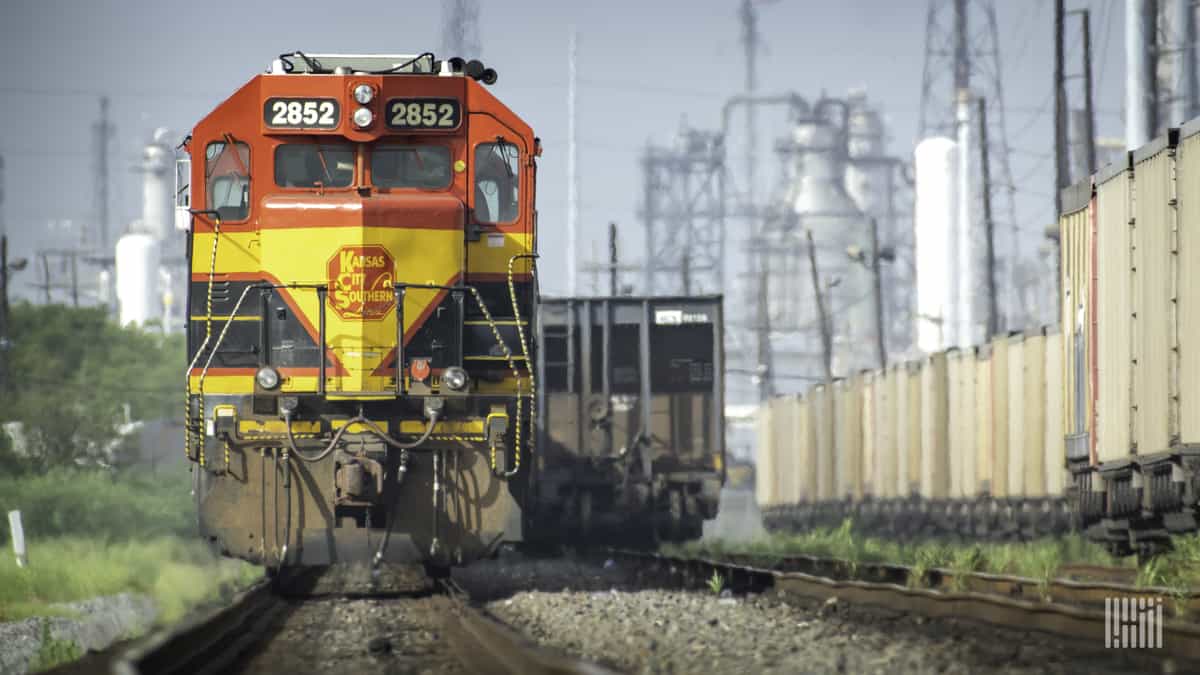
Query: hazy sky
[{"x": 643, "y": 67}]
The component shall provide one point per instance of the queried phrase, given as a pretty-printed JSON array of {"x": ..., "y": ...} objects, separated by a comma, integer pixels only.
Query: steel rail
[
  {"x": 1064, "y": 608},
  {"x": 486, "y": 645},
  {"x": 214, "y": 641},
  {"x": 209, "y": 642},
  {"x": 1077, "y": 592}
]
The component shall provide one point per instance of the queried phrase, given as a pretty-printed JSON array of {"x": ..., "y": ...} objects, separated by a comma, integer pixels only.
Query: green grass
[
  {"x": 1177, "y": 570},
  {"x": 94, "y": 533},
  {"x": 178, "y": 574},
  {"x": 125, "y": 505},
  {"x": 1037, "y": 559}
]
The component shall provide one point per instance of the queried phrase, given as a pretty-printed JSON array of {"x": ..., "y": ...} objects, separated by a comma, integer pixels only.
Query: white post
[
  {"x": 18, "y": 537},
  {"x": 572, "y": 175}
]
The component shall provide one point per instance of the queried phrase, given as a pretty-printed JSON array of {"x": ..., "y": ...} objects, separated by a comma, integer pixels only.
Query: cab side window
[
  {"x": 227, "y": 179},
  {"x": 311, "y": 165},
  {"x": 497, "y": 182}
]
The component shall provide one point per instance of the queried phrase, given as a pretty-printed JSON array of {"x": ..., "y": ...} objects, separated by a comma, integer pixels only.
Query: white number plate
[
  {"x": 301, "y": 113},
  {"x": 423, "y": 113}
]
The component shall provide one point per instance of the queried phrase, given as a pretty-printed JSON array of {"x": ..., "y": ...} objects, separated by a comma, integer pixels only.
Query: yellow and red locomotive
[{"x": 361, "y": 240}]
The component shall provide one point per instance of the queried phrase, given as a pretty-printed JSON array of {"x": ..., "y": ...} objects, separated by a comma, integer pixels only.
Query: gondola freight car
[{"x": 631, "y": 417}]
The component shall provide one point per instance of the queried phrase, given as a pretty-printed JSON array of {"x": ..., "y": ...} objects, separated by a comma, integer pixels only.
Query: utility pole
[
  {"x": 1062, "y": 170},
  {"x": 880, "y": 338},
  {"x": 993, "y": 319},
  {"x": 1088, "y": 105},
  {"x": 750, "y": 37},
  {"x": 4, "y": 344},
  {"x": 1141, "y": 72},
  {"x": 46, "y": 275},
  {"x": 765, "y": 369},
  {"x": 102, "y": 136},
  {"x": 572, "y": 171},
  {"x": 822, "y": 315},
  {"x": 74, "y": 279},
  {"x": 613, "y": 280}
]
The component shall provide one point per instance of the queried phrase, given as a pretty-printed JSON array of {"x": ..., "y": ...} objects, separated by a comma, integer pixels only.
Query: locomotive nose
[{"x": 378, "y": 267}]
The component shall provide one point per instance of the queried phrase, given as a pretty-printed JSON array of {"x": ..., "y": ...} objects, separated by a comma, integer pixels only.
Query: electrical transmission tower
[
  {"x": 460, "y": 28},
  {"x": 684, "y": 214},
  {"x": 962, "y": 63}
]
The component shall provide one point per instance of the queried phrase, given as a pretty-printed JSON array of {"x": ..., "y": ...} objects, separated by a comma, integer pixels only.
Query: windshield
[
  {"x": 411, "y": 166},
  {"x": 309, "y": 165}
]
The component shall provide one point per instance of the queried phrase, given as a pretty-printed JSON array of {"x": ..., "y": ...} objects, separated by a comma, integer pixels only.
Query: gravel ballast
[
  {"x": 669, "y": 631},
  {"x": 96, "y": 624}
]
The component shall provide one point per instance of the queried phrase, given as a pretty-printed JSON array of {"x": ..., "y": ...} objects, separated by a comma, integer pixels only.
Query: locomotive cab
[{"x": 361, "y": 241}]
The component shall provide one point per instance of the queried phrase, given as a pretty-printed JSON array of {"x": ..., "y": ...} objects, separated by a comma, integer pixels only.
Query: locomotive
[{"x": 361, "y": 237}]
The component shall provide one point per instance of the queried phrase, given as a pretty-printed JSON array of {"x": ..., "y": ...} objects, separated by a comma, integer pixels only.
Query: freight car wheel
[{"x": 671, "y": 527}]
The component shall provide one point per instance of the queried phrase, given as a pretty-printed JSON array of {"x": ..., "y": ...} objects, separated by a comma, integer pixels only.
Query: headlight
[
  {"x": 363, "y": 118},
  {"x": 455, "y": 378},
  {"x": 363, "y": 93},
  {"x": 267, "y": 377}
]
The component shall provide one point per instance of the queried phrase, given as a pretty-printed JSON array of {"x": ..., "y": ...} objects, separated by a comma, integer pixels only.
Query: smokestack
[{"x": 1140, "y": 118}]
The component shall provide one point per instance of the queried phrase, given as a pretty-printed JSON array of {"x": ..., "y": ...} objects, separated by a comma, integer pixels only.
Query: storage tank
[
  {"x": 158, "y": 185},
  {"x": 137, "y": 279},
  {"x": 818, "y": 197},
  {"x": 866, "y": 172},
  {"x": 936, "y": 164}
]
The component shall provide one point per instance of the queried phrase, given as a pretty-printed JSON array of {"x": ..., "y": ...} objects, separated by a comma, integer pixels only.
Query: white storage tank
[
  {"x": 158, "y": 185},
  {"x": 936, "y": 163},
  {"x": 138, "y": 295}
]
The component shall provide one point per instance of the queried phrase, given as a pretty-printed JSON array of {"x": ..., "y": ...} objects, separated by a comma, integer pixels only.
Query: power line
[{"x": 174, "y": 94}]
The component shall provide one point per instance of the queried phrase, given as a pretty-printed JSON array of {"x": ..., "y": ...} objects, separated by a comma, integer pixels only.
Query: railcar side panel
[
  {"x": 1016, "y": 409},
  {"x": 935, "y": 479},
  {"x": 822, "y": 407},
  {"x": 765, "y": 468},
  {"x": 1187, "y": 190},
  {"x": 848, "y": 437},
  {"x": 982, "y": 479},
  {"x": 915, "y": 424},
  {"x": 1154, "y": 344},
  {"x": 1000, "y": 451},
  {"x": 1114, "y": 314},
  {"x": 870, "y": 423},
  {"x": 885, "y": 429},
  {"x": 1054, "y": 464},
  {"x": 802, "y": 435},
  {"x": 1034, "y": 418}
]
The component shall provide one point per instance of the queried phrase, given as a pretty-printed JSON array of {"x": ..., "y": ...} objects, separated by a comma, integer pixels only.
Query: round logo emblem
[{"x": 361, "y": 282}]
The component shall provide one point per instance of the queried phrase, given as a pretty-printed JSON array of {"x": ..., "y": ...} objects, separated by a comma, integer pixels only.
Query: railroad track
[
  {"x": 240, "y": 637},
  {"x": 1071, "y": 609}
]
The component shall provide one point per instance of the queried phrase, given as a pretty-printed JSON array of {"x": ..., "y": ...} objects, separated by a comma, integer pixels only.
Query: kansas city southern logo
[{"x": 361, "y": 282}]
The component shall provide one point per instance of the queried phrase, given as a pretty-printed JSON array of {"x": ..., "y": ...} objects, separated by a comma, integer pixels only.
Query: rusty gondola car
[
  {"x": 361, "y": 237},
  {"x": 630, "y": 418}
]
